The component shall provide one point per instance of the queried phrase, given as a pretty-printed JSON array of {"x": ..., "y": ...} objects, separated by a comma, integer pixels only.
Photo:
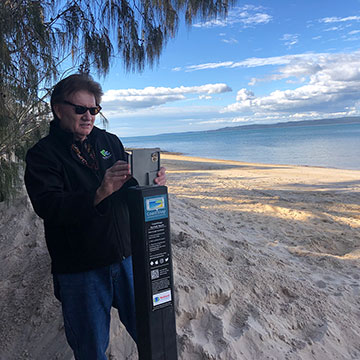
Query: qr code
[{"x": 154, "y": 274}]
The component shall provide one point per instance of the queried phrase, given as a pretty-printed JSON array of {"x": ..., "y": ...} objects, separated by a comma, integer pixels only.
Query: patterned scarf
[{"x": 87, "y": 155}]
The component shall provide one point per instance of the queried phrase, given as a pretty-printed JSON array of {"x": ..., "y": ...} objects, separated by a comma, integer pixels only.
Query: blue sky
[{"x": 269, "y": 61}]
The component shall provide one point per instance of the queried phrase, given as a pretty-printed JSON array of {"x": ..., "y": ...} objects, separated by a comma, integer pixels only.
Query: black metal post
[{"x": 153, "y": 275}]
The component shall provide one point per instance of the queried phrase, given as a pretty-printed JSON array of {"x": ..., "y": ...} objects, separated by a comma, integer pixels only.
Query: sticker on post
[
  {"x": 155, "y": 207},
  {"x": 162, "y": 298}
]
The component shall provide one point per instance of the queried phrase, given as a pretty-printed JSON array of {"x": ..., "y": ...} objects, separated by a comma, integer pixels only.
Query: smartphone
[{"x": 144, "y": 165}]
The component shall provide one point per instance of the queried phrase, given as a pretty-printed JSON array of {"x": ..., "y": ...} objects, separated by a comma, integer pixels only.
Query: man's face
[{"x": 79, "y": 124}]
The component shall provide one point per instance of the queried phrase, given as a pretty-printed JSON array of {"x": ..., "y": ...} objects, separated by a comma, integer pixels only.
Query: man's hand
[
  {"x": 161, "y": 177},
  {"x": 114, "y": 178}
]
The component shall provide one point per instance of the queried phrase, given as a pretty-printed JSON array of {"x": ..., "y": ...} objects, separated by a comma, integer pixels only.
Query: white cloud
[
  {"x": 225, "y": 121},
  {"x": 328, "y": 20},
  {"x": 335, "y": 28},
  {"x": 208, "y": 66},
  {"x": 229, "y": 41},
  {"x": 256, "y": 62},
  {"x": 290, "y": 39},
  {"x": 299, "y": 69},
  {"x": 119, "y": 100},
  {"x": 354, "y": 38},
  {"x": 244, "y": 95},
  {"x": 247, "y": 15},
  {"x": 333, "y": 87},
  {"x": 275, "y": 60},
  {"x": 205, "y": 97}
]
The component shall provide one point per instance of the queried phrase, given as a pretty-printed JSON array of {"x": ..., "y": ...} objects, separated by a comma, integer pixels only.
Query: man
[{"x": 76, "y": 178}]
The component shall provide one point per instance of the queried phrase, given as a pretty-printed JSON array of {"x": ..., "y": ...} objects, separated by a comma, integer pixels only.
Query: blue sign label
[{"x": 155, "y": 207}]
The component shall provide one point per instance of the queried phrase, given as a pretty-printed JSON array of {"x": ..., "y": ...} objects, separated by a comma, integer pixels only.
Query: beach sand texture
[{"x": 266, "y": 266}]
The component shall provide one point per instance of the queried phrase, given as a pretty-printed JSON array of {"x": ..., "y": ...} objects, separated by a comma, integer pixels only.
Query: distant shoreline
[
  {"x": 161, "y": 151},
  {"x": 316, "y": 122}
]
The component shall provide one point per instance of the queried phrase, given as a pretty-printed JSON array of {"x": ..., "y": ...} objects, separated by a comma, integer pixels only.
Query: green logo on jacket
[{"x": 105, "y": 154}]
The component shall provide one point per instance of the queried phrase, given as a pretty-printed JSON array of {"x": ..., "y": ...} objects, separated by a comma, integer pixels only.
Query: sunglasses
[{"x": 83, "y": 109}]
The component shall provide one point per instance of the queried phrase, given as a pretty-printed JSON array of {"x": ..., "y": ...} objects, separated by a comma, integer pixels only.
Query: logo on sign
[
  {"x": 162, "y": 298},
  {"x": 155, "y": 203},
  {"x": 156, "y": 207}
]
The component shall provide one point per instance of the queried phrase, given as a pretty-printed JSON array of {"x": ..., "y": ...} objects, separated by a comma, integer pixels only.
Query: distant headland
[
  {"x": 343, "y": 120},
  {"x": 318, "y": 122}
]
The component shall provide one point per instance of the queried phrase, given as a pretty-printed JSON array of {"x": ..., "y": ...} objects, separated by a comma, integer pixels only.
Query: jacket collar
[{"x": 67, "y": 137}]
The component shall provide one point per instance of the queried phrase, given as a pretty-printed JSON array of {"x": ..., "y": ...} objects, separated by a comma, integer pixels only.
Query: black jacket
[{"x": 79, "y": 236}]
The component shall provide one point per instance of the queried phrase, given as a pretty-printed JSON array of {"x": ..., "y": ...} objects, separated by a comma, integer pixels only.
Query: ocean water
[{"x": 335, "y": 146}]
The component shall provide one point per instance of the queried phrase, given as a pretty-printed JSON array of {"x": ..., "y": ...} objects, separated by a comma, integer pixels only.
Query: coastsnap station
[{"x": 152, "y": 260}]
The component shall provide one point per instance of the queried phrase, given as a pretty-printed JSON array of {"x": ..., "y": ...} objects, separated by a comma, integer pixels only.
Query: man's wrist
[{"x": 100, "y": 195}]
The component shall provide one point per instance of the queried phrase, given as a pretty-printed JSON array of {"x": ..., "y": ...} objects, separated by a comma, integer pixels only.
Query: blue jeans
[{"x": 86, "y": 300}]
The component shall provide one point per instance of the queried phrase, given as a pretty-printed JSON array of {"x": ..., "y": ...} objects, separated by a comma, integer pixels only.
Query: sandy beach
[{"x": 266, "y": 266}]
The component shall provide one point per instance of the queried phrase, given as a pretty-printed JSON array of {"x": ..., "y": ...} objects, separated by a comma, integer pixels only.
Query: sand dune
[{"x": 266, "y": 261}]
